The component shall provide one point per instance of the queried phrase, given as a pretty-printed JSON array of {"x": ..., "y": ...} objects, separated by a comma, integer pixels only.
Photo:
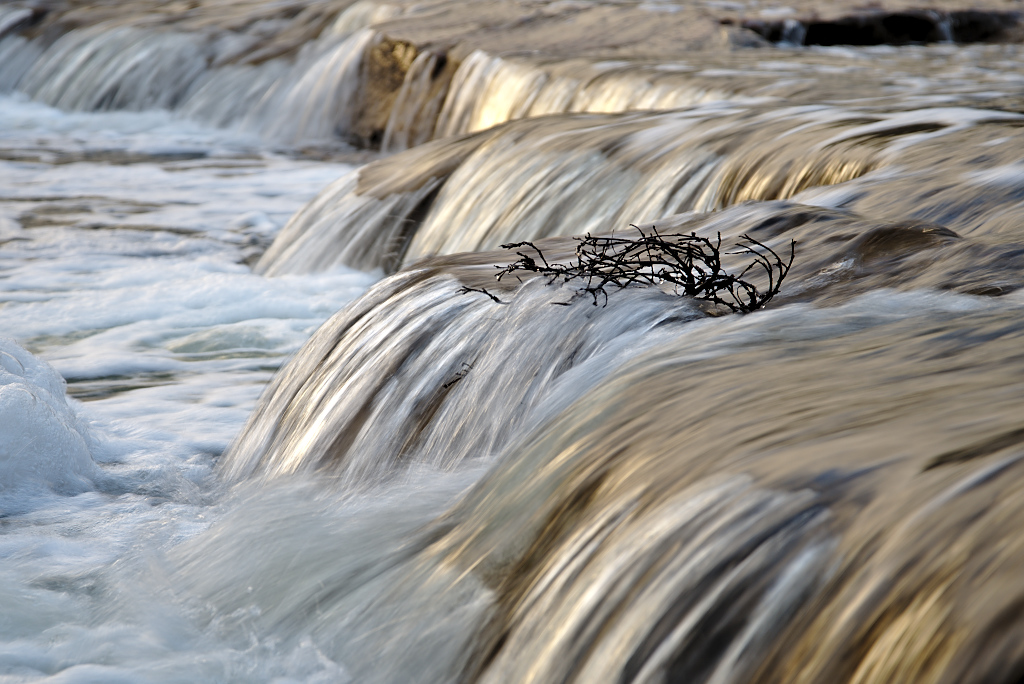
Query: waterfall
[
  {"x": 621, "y": 548},
  {"x": 709, "y": 499},
  {"x": 316, "y": 106},
  {"x": 570, "y": 176},
  {"x": 223, "y": 77},
  {"x": 547, "y": 477},
  {"x": 413, "y": 350},
  {"x": 400, "y": 377},
  {"x": 487, "y": 91},
  {"x": 113, "y": 68},
  {"x": 315, "y": 76},
  {"x": 366, "y": 214},
  {"x": 668, "y": 496},
  {"x": 211, "y": 76}
]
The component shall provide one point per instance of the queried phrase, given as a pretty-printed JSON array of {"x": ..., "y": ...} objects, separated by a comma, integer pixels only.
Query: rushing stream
[{"x": 259, "y": 423}]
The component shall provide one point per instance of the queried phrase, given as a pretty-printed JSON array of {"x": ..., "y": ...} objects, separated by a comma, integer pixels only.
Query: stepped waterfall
[{"x": 268, "y": 415}]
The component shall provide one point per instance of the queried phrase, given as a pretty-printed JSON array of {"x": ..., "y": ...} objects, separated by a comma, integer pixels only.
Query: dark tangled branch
[{"x": 690, "y": 264}]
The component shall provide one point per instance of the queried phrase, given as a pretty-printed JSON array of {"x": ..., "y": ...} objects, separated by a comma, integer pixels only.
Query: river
[{"x": 260, "y": 423}]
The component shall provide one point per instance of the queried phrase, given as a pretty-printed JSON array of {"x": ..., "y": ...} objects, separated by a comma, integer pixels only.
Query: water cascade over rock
[
  {"x": 300, "y": 72},
  {"x": 459, "y": 479},
  {"x": 334, "y": 402},
  {"x": 566, "y": 176},
  {"x": 670, "y": 496}
]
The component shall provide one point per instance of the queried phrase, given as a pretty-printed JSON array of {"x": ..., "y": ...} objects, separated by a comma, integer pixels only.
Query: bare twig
[
  {"x": 690, "y": 264},
  {"x": 466, "y": 289}
]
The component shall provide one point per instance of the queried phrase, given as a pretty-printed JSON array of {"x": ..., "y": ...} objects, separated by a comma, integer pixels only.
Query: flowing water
[{"x": 255, "y": 428}]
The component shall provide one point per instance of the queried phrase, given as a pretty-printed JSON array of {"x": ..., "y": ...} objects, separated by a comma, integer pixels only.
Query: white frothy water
[
  {"x": 123, "y": 238},
  {"x": 127, "y": 277},
  {"x": 125, "y": 241},
  {"x": 44, "y": 448}
]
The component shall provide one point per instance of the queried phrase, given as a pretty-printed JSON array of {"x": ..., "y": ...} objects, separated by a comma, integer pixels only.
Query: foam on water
[
  {"x": 123, "y": 238},
  {"x": 43, "y": 446}
]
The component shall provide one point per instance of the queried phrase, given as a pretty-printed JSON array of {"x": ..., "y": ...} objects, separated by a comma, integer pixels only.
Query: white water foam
[
  {"x": 126, "y": 276},
  {"x": 43, "y": 446},
  {"x": 122, "y": 242}
]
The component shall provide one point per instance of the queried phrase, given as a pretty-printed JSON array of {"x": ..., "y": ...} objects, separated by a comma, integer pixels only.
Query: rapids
[{"x": 259, "y": 423}]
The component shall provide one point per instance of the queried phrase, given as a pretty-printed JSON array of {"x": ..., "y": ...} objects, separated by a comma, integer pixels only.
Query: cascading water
[
  {"x": 331, "y": 411},
  {"x": 226, "y": 456},
  {"x": 487, "y": 91},
  {"x": 216, "y": 77},
  {"x": 536, "y": 179}
]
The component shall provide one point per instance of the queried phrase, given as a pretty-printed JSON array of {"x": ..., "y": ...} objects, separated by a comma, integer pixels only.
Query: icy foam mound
[{"x": 43, "y": 446}]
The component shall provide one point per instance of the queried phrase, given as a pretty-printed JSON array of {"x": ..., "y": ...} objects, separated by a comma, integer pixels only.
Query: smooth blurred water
[{"x": 226, "y": 456}]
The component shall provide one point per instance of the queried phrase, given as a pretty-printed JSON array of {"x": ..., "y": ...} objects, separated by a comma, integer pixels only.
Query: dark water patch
[
  {"x": 40, "y": 344},
  {"x": 19, "y": 19},
  {"x": 986, "y": 447},
  {"x": 916, "y": 26},
  {"x": 901, "y": 239},
  {"x": 115, "y": 157},
  {"x": 881, "y": 136},
  {"x": 93, "y": 388}
]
